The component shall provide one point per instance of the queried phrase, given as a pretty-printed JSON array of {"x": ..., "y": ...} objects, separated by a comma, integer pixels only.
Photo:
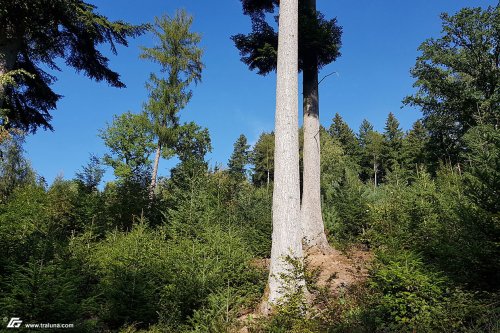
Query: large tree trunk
[
  {"x": 155, "y": 171},
  {"x": 286, "y": 237},
  {"x": 311, "y": 216},
  {"x": 9, "y": 50}
]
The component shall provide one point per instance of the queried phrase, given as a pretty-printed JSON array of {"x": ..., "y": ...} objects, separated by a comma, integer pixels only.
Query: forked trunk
[
  {"x": 286, "y": 236},
  {"x": 311, "y": 216}
]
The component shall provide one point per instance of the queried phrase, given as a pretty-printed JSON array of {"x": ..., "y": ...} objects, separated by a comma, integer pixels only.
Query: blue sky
[{"x": 380, "y": 42}]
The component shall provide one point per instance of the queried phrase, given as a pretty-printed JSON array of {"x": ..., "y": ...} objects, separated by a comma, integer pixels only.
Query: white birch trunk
[{"x": 286, "y": 237}]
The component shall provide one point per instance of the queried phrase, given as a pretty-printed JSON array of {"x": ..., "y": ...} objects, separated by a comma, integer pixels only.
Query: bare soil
[
  {"x": 334, "y": 270},
  {"x": 338, "y": 270}
]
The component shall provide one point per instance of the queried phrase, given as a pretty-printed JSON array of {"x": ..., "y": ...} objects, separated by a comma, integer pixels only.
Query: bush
[
  {"x": 147, "y": 277},
  {"x": 41, "y": 291},
  {"x": 407, "y": 297}
]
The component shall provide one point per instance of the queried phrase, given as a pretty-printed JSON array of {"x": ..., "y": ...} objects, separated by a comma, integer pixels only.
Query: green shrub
[
  {"x": 407, "y": 297},
  {"x": 41, "y": 291},
  {"x": 146, "y": 276}
]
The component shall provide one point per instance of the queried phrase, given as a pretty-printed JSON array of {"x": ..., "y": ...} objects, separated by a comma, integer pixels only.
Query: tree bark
[
  {"x": 9, "y": 50},
  {"x": 286, "y": 236},
  {"x": 313, "y": 228},
  {"x": 155, "y": 172},
  {"x": 268, "y": 171}
]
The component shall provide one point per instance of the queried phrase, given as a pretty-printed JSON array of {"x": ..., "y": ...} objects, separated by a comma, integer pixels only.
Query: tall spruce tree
[
  {"x": 319, "y": 44},
  {"x": 366, "y": 168},
  {"x": 239, "y": 158},
  {"x": 414, "y": 154},
  {"x": 482, "y": 177},
  {"x": 371, "y": 143},
  {"x": 393, "y": 143},
  {"x": 91, "y": 174},
  {"x": 179, "y": 56},
  {"x": 34, "y": 34},
  {"x": 340, "y": 131},
  {"x": 364, "y": 129}
]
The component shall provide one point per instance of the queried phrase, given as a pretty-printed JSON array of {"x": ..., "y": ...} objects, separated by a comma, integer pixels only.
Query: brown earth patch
[
  {"x": 334, "y": 270},
  {"x": 338, "y": 270}
]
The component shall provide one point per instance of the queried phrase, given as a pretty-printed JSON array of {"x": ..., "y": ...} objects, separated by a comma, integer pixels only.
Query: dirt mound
[
  {"x": 337, "y": 270},
  {"x": 334, "y": 270}
]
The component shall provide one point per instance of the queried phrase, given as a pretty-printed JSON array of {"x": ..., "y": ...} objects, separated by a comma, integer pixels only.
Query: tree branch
[{"x": 324, "y": 77}]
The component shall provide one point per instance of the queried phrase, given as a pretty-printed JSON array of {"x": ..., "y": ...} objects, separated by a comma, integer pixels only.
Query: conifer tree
[
  {"x": 414, "y": 155},
  {"x": 365, "y": 128},
  {"x": 91, "y": 174},
  {"x": 365, "y": 160},
  {"x": 482, "y": 177},
  {"x": 34, "y": 33},
  {"x": 393, "y": 143},
  {"x": 371, "y": 143},
  {"x": 239, "y": 158},
  {"x": 341, "y": 131},
  {"x": 179, "y": 56}
]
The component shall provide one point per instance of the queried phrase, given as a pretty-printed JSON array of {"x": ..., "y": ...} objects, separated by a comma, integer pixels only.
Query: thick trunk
[
  {"x": 286, "y": 237},
  {"x": 311, "y": 216},
  {"x": 155, "y": 171},
  {"x": 312, "y": 220},
  {"x": 9, "y": 50}
]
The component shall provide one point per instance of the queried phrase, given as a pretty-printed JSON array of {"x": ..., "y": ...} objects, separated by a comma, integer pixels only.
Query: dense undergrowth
[{"x": 110, "y": 260}]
